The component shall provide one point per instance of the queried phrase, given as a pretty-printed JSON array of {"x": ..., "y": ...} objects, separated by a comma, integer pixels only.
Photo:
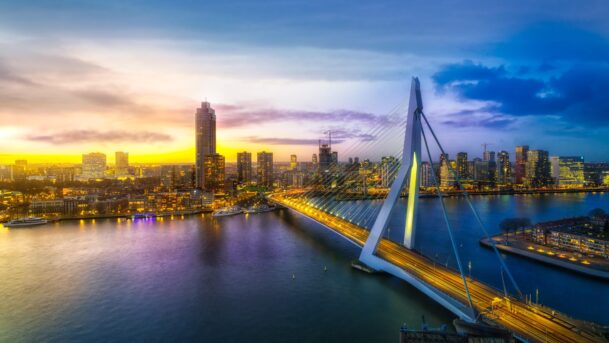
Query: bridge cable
[
  {"x": 475, "y": 212},
  {"x": 445, "y": 215}
]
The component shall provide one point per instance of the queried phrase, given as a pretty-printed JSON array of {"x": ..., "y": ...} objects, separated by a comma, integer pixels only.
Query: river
[{"x": 269, "y": 277}]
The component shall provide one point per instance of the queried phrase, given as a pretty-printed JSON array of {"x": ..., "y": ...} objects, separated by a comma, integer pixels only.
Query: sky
[{"x": 83, "y": 76}]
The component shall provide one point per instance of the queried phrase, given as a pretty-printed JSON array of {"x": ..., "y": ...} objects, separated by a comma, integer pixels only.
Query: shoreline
[
  {"x": 126, "y": 216},
  {"x": 553, "y": 261}
]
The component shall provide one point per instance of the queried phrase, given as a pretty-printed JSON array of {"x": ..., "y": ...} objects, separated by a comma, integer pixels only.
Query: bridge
[{"x": 469, "y": 299}]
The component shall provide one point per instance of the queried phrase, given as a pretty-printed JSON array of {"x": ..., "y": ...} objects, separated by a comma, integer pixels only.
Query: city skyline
[{"x": 509, "y": 84}]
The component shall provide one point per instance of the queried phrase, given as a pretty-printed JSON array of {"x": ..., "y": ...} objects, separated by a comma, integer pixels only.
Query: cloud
[
  {"x": 233, "y": 116},
  {"x": 283, "y": 141},
  {"x": 577, "y": 95},
  {"x": 553, "y": 41},
  {"x": 92, "y": 136}
]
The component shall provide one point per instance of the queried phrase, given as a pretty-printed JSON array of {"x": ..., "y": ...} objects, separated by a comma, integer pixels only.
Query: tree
[
  {"x": 507, "y": 225},
  {"x": 597, "y": 213},
  {"x": 522, "y": 224}
]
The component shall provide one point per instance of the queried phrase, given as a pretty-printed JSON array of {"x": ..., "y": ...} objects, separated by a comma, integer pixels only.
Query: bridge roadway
[{"x": 530, "y": 322}]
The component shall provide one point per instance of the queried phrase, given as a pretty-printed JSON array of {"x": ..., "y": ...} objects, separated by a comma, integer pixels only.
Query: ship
[
  {"x": 227, "y": 211},
  {"x": 25, "y": 222},
  {"x": 143, "y": 216},
  {"x": 260, "y": 209}
]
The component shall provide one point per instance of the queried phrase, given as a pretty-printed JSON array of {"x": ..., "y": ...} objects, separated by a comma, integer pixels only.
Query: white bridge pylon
[{"x": 410, "y": 170}]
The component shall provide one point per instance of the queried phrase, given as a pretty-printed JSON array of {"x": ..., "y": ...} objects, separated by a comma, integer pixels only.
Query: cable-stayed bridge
[{"x": 470, "y": 300}]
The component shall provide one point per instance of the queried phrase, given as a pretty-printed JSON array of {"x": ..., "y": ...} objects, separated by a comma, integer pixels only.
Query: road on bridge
[{"x": 531, "y": 322}]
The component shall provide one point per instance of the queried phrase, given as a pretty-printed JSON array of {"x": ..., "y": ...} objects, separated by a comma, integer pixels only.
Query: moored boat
[
  {"x": 25, "y": 222},
  {"x": 228, "y": 211}
]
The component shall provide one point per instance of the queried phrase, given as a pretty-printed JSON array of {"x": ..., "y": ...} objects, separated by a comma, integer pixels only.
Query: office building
[
  {"x": 205, "y": 133},
  {"x": 265, "y": 168},
  {"x": 389, "y": 169},
  {"x": 568, "y": 171},
  {"x": 426, "y": 175},
  {"x": 537, "y": 171},
  {"x": 121, "y": 160},
  {"x": 214, "y": 173},
  {"x": 244, "y": 167},
  {"x": 325, "y": 158},
  {"x": 93, "y": 166},
  {"x": 462, "y": 171},
  {"x": 504, "y": 168},
  {"x": 520, "y": 164},
  {"x": 293, "y": 162}
]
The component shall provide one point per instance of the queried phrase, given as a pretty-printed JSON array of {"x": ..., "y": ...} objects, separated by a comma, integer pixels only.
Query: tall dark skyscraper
[
  {"x": 520, "y": 165},
  {"x": 462, "y": 165},
  {"x": 325, "y": 157},
  {"x": 205, "y": 126},
  {"x": 537, "y": 171},
  {"x": 244, "y": 167},
  {"x": 265, "y": 168},
  {"x": 504, "y": 169}
]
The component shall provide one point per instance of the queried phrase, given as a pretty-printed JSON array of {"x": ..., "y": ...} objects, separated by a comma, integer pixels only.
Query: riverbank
[
  {"x": 590, "y": 266},
  {"x": 126, "y": 216}
]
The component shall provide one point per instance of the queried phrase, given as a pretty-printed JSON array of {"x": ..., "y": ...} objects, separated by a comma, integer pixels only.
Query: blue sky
[{"x": 127, "y": 75}]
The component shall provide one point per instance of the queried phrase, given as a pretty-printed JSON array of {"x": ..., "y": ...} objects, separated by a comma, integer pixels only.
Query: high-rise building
[
  {"x": 426, "y": 176},
  {"x": 205, "y": 132},
  {"x": 520, "y": 164},
  {"x": 488, "y": 156},
  {"x": 214, "y": 170},
  {"x": 244, "y": 167},
  {"x": 93, "y": 165},
  {"x": 19, "y": 170},
  {"x": 121, "y": 160},
  {"x": 314, "y": 159},
  {"x": 293, "y": 162},
  {"x": 462, "y": 166},
  {"x": 481, "y": 172},
  {"x": 325, "y": 158},
  {"x": 537, "y": 171},
  {"x": 389, "y": 170},
  {"x": 444, "y": 171},
  {"x": 335, "y": 157},
  {"x": 265, "y": 168},
  {"x": 568, "y": 171},
  {"x": 504, "y": 168}
]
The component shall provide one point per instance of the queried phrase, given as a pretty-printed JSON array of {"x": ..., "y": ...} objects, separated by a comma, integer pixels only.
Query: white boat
[
  {"x": 24, "y": 222},
  {"x": 260, "y": 209},
  {"x": 227, "y": 211}
]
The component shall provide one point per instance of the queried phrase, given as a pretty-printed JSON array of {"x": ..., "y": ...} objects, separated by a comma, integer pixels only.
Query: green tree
[{"x": 597, "y": 213}]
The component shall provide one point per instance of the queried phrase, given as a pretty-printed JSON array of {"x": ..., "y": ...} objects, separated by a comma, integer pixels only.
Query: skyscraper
[
  {"x": 314, "y": 159},
  {"x": 426, "y": 176},
  {"x": 504, "y": 169},
  {"x": 444, "y": 170},
  {"x": 244, "y": 167},
  {"x": 520, "y": 165},
  {"x": 325, "y": 158},
  {"x": 205, "y": 131},
  {"x": 265, "y": 168},
  {"x": 293, "y": 162},
  {"x": 462, "y": 165},
  {"x": 214, "y": 172},
  {"x": 537, "y": 171},
  {"x": 121, "y": 160},
  {"x": 389, "y": 170},
  {"x": 488, "y": 156},
  {"x": 93, "y": 165}
]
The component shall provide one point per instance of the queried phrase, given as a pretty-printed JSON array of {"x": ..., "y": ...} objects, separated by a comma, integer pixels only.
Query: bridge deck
[{"x": 530, "y": 322}]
